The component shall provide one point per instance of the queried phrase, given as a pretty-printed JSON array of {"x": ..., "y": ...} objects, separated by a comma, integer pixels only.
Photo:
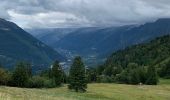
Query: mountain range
[
  {"x": 95, "y": 44},
  {"x": 50, "y": 35},
  {"x": 18, "y": 45}
]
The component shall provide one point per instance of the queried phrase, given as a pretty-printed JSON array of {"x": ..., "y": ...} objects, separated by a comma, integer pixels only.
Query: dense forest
[{"x": 137, "y": 63}]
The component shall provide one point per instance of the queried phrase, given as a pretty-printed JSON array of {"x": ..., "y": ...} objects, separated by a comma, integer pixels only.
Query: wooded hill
[
  {"x": 147, "y": 54},
  {"x": 155, "y": 53}
]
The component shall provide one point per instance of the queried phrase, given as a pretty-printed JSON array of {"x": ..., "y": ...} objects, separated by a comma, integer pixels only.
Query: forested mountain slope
[
  {"x": 18, "y": 45},
  {"x": 155, "y": 53}
]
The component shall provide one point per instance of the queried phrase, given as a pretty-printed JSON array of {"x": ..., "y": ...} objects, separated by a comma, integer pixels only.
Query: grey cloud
[{"x": 84, "y": 12}]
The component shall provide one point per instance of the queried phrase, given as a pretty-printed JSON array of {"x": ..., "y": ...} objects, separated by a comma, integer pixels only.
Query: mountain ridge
[
  {"x": 98, "y": 43},
  {"x": 18, "y": 45}
]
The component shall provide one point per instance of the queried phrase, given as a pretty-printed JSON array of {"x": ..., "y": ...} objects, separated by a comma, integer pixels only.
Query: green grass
[
  {"x": 164, "y": 81},
  {"x": 94, "y": 92}
]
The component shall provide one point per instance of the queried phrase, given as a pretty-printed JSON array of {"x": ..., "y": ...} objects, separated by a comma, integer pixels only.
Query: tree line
[
  {"x": 53, "y": 77},
  {"x": 78, "y": 76},
  {"x": 134, "y": 74}
]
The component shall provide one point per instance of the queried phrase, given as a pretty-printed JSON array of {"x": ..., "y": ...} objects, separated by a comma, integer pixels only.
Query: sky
[{"x": 82, "y": 13}]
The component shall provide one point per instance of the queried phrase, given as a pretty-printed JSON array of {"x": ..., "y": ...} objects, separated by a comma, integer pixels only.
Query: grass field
[{"x": 94, "y": 92}]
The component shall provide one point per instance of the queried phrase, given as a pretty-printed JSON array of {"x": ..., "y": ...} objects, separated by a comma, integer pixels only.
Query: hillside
[
  {"x": 155, "y": 53},
  {"x": 150, "y": 53},
  {"x": 18, "y": 45}
]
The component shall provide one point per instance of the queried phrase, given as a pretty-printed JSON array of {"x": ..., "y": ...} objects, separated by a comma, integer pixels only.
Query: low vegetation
[
  {"x": 54, "y": 77},
  {"x": 99, "y": 91},
  {"x": 22, "y": 76}
]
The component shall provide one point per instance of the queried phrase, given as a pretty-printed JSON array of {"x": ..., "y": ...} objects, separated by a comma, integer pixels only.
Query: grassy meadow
[{"x": 94, "y": 92}]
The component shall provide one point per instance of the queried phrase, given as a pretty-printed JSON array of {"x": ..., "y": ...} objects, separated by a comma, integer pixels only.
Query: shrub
[
  {"x": 152, "y": 77},
  {"x": 4, "y": 77},
  {"x": 36, "y": 82},
  {"x": 49, "y": 83},
  {"x": 105, "y": 79}
]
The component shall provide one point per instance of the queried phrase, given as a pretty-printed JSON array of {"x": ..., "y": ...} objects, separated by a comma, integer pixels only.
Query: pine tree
[
  {"x": 20, "y": 76},
  {"x": 57, "y": 73},
  {"x": 152, "y": 77},
  {"x": 77, "y": 77}
]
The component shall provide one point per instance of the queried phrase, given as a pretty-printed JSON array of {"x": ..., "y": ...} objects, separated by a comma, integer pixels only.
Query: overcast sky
[{"x": 79, "y": 13}]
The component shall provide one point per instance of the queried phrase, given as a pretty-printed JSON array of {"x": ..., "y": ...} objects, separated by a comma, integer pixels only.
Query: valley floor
[{"x": 94, "y": 92}]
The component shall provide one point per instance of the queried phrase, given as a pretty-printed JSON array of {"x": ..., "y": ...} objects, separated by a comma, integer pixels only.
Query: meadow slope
[{"x": 94, "y": 92}]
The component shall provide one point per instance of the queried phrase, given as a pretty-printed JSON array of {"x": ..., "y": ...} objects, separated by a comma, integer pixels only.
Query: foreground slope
[
  {"x": 18, "y": 45},
  {"x": 94, "y": 92}
]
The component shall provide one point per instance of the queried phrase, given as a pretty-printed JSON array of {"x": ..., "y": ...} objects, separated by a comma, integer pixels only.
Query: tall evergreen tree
[
  {"x": 77, "y": 76},
  {"x": 20, "y": 76},
  {"x": 57, "y": 73},
  {"x": 152, "y": 77}
]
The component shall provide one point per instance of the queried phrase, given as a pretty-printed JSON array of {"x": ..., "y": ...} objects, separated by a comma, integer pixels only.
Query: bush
[
  {"x": 123, "y": 77},
  {"x": 164, "y": 70},
  {"x": 4, "y": 77},
  {"x": 132, "y": 75},
  {"x": 49, "y": 83},
  {"x": 105, "y": 79},
  {"x": 36, "y": 82},
  {"x": 40, "y": 82},
  {"x": 152, "y": 77}
]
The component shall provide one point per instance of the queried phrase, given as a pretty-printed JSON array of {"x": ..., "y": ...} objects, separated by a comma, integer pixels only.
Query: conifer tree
[
  {"x": 77, "y": 77},
  {"x": 20, "y": 76},
  {"x": 57, "y": 73}
]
